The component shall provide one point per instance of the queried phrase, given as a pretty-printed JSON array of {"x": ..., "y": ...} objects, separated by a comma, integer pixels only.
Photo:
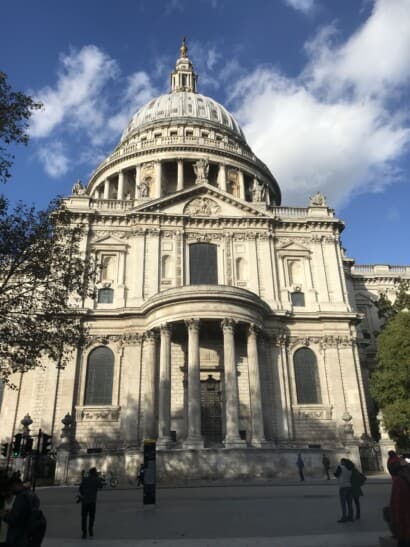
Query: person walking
[
  {"x": 88, "y": 494},
  {"x": 300, "y": 465},
  {"x": 18, "y": 516},
  {"x": 344, "y": 475},
  {"x": 392, "y": 460},
  {"x": 6, "y": 503},
  {"x": 400, "y": 504},
  {"x": 326, "y": 466},
  {"x": 357, "y": 480}
]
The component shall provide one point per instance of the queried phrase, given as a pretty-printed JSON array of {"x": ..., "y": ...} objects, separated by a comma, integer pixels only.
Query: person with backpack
[{"x": 357, "y": 480}]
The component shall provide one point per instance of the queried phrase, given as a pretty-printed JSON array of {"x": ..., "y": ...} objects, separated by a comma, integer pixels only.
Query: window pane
[
  {"x": 298, "y": 299},
  {"x": 306, "y": 377},
  {"x": 105, "y": 296},
  {"x": 203, "y": 265},
  {"x": 100, "y": 369}
]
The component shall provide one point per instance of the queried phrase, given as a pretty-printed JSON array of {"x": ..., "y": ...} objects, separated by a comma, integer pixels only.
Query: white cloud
[
  {"x": 335, "y": 128},
  {"x": 138, "y": 92},
  {"x": 54, "y": 159},
  {"x": 76, "y": 98},
  {"x": 305, "y": 6}
]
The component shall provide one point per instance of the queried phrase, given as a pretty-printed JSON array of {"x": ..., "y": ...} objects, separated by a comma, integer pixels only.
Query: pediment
[
  {"x": 109, "y": 241},
  {"x": 202, "y": 200},
  {"x": 291, "y": 246}
]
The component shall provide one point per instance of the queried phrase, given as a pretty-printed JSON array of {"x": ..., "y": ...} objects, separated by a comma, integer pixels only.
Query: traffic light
[
  {"x": 46, "y": 446},
  {"x": 5, "y": 449},
  {"x": 27, "y": 447},
  {"x": 17, "y": 444}
]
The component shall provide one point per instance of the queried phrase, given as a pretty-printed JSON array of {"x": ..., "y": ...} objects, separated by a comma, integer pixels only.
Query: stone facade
[{"x": 238, "y": 331}]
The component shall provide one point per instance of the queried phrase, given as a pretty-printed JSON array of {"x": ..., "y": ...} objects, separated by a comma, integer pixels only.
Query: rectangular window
[
  {"x": 105, "y": 296},
  {"x": 203, "y": 264}
]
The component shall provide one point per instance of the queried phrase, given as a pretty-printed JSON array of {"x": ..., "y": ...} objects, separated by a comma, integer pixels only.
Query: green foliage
[
  {"x": 387, "y": 309},
  {"x": 15, "y": 111},
  {"x": 43, "y": 279},
  {"x": 390, "y": 382}
]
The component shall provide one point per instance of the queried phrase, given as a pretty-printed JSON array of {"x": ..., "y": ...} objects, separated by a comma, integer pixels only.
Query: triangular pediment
[
  {"x": 108, "y": 241},
  {"x": 202, "y": 200},
  {"x": 292, "y": 246}
]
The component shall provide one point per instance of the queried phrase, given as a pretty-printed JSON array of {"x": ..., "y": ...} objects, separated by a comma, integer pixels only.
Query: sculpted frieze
[
  {"x": 312, "y": 413},
  {"x": 97, "y": 414},
  {"x": 202, "y": 207}
]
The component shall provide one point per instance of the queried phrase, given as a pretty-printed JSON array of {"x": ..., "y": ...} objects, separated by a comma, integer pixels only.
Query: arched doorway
[{"x": 211, "y": 411}]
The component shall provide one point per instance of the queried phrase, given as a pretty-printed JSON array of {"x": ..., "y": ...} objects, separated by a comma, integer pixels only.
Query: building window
[
  {"x": 99, "y": 381},
  {"x": 297, "y": 298},
  {"x": 105, "y": 296},
  {"x": 240, "y": 269},
  {"x": 306, "y": 377},
  {"x": 203, "y": 264},
  {"x": 166, "y": 265},
  {"x": 108, "y": 268}
]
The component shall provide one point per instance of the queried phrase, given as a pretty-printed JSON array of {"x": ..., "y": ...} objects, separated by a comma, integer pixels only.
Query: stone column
[
  {"x": 149, "y": 391},
  {"x": 164, "y": 404},
  {"x": 106, "y": 189},
  {"x": 258, "y": 436},
  {"x": 222, "y": 177},
  {"x": 137, "y": 181},
  {"x": 232, "y": 438},
  {"x": 241, "y": 185},
  {"x": 158, "y": 179},
  {"x": 180, "y": 176},
  {"x": 194, "y": 437},
  {"x": 120, "y": 193}
]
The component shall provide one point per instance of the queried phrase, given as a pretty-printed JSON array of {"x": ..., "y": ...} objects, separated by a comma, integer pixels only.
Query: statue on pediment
[
  {"x": 143, "y": 188},
  {"x": 258, "y": 191},
  {"x": 201, "y": 170},
  {"x": 317, "y": 200},
  {"x": 78, "y": 189}
]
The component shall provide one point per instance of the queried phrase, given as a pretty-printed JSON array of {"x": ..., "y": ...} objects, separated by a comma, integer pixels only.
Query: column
[
  {"x": 137, "y": 181},
  {"x": 241, "y": 185},
  {"x": 194, "y": 437},
  {"x": 106, "y": 189},
  {"x": 258, "y": 436},
  {"x": 180, "y": 176},
  {"x": 232, "y": 438},
  {"x": 164, "y": 403},
  {"x": 158, "y": 179},
  {"x": 120, "y": 193},
  {"x": 149, "y": 385},
  {"x": 222, "y": 177}
]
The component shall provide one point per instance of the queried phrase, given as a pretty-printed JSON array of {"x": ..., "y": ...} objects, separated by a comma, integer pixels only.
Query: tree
[
  {"x": 390, "y": 382},
  {"x": 43, "y": 279},
  {"x": 16, "y": 109}
]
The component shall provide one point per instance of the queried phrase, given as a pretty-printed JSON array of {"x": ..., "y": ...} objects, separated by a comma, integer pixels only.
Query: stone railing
[
  {"x": 290, "y": 211},
  {"x": 380, "y": 269},
  {"x": 114, "y": 204}
]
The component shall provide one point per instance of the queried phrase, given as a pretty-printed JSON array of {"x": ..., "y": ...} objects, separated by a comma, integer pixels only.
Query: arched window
[
  {"x": 240, "y": 269},
  {"x": 297, "y": 298},
  {"x": 108, "y": 267},
  {"x": 100, "y": 372},
  {"x": 203, "y": 264},
  {"x": 306, "y": 377},
  {"x": 166, "y": 267}
]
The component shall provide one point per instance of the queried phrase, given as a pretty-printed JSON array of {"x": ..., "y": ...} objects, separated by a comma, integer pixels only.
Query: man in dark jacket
[
  {"x": 88, "y": 492},
  {"x": 18, "y": 517}
]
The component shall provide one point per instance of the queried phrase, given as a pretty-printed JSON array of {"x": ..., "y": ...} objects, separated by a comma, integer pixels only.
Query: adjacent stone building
[{"x": 229, "y": 328}]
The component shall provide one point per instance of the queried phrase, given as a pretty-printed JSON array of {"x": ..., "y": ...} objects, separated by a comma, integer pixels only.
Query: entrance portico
[{"x": 205, "y": 415}]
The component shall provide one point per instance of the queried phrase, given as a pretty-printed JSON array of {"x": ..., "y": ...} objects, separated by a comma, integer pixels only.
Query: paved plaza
[{"x": 254, "y": 515}]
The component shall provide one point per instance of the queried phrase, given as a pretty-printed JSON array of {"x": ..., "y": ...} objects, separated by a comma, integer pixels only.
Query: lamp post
[{"x": 26, "y": 423}]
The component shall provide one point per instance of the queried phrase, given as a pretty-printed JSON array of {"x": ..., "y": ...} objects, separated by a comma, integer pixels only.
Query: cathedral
[{"x": 230, "y": 329}]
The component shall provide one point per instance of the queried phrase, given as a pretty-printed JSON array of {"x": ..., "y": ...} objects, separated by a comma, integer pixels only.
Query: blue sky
[{"x": 320, "y": 87}]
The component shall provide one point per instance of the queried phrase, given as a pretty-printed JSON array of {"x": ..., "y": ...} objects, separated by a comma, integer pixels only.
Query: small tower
[{"x": 183, "y": 78}]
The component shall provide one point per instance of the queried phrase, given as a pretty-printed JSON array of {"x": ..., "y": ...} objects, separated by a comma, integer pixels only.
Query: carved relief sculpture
[
  {"x": 258, "y": 191},
  {"x": 202, "y": 207},
  {"x": 318, "y": 200}
]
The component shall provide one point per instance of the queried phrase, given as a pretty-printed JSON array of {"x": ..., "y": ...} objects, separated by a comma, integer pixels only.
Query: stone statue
[
  {"x": 258, "y": 191},
  {"x": 201, "y": 170},
  {"x": 317, "y": 200},
  {"x": 78, "y": 189},
  {"x": 144, "y": 189}
]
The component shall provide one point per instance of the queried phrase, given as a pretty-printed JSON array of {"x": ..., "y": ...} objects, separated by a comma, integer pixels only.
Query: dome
[{"x": 184, "y": 104}]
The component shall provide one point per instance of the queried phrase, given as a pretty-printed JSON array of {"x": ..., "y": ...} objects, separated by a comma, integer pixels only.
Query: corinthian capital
[
  {"x": 228, "y": 325},
  {"x": 192, "y": 324}
]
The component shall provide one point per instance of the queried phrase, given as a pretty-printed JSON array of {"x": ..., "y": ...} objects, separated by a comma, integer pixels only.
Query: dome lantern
[{"x": 183, "y": 78}]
